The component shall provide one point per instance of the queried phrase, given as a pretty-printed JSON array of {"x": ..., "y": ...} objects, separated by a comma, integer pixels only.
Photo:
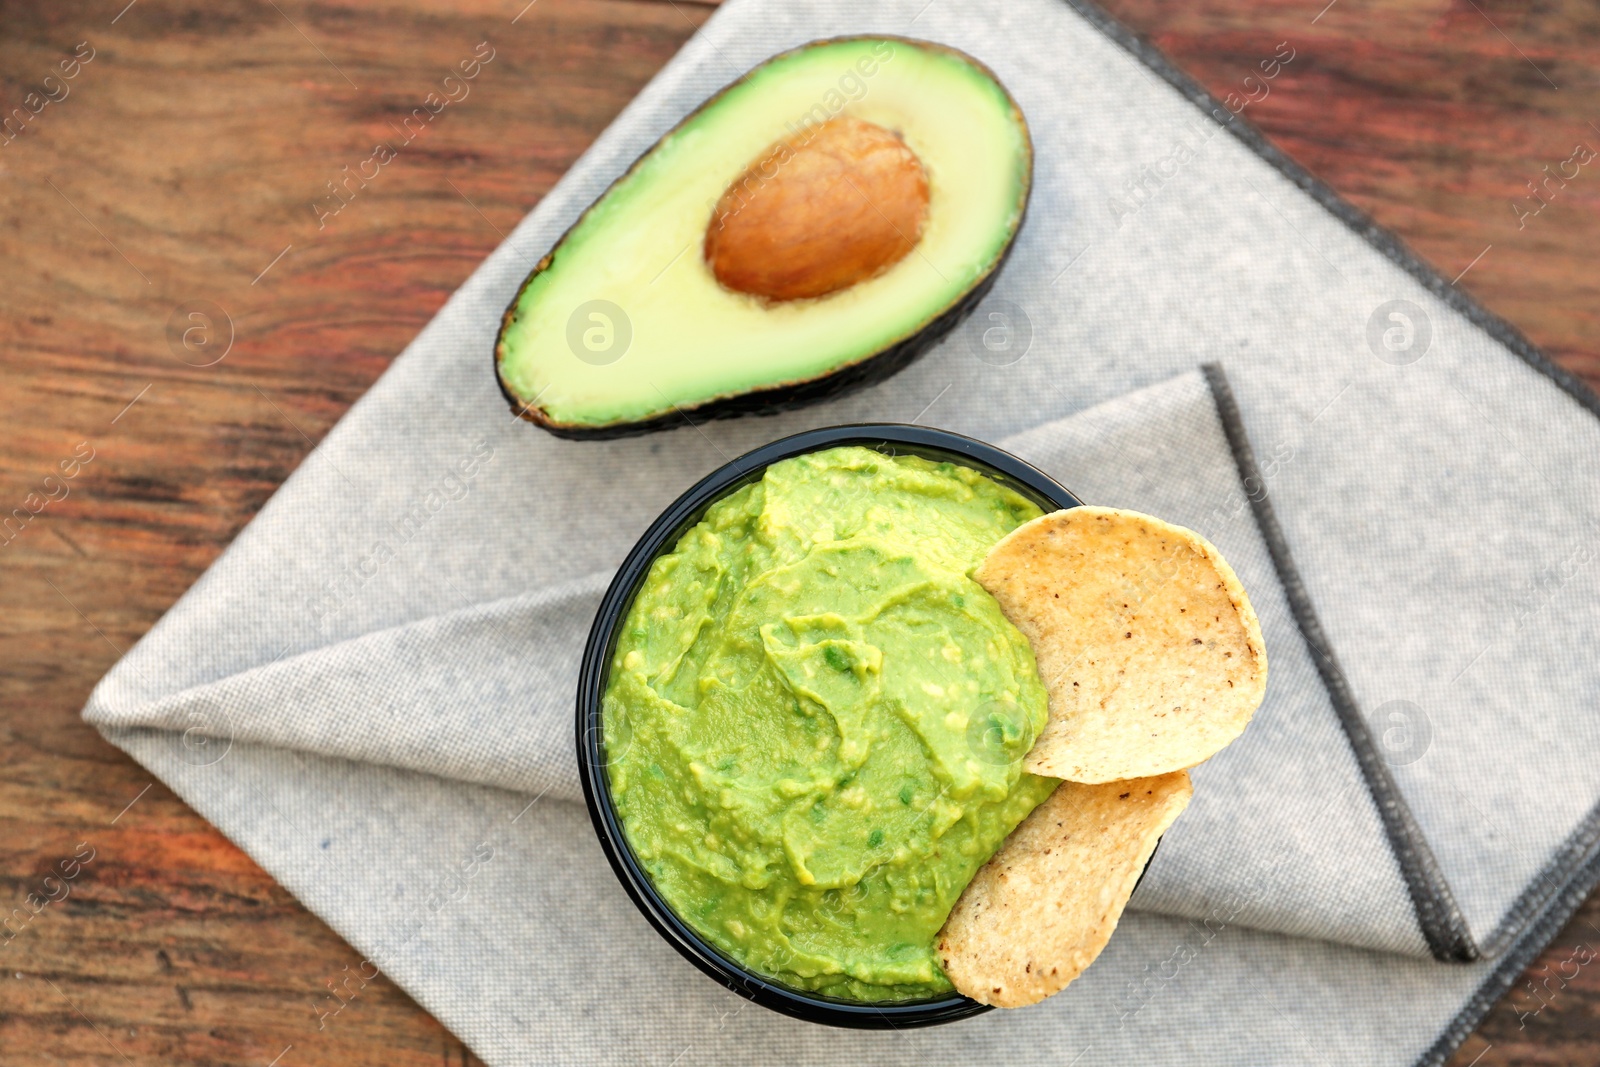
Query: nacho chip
[
  {"x": 1039, "y": 912},
  {"x": 1145, "y": 640}
]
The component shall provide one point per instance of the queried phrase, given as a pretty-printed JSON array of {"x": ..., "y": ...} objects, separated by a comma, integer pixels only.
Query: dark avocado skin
[{"x": 784, "y": 396}]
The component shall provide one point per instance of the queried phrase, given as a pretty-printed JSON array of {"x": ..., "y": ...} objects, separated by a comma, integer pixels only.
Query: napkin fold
[{"x": 372, "y": 690}]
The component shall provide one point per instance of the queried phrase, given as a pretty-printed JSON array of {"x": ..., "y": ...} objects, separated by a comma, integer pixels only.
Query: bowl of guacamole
[{"x": 801, "y": 722}]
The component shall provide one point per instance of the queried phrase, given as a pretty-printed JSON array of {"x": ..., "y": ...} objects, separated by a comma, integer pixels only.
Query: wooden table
[{"x": 177, "y": 169}]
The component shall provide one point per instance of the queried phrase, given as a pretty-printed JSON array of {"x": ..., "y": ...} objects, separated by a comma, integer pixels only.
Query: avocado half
[{"x": 623, "y": 328}]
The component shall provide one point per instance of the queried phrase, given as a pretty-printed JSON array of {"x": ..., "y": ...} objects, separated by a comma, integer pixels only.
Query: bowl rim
[{"x": 661, "y": 535}]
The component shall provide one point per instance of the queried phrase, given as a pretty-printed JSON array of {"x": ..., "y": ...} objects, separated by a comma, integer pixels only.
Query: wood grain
[
  {"x": 1432, "y": 116},
  {"x": 182, "y": 167},
  {"x": 184, "y": 159}
]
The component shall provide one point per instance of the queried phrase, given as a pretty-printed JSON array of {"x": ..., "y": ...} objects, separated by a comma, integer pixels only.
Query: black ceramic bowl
[{"x": 661, "y": 537}]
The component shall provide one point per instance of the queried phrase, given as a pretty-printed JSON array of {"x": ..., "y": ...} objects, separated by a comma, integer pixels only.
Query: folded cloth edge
[
  {"x": 1575, "y": 862},
  {"x": 1533, "y": 911}
]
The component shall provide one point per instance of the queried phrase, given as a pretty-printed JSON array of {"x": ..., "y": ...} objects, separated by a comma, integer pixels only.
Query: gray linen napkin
[{"x": 371, "y": 691}]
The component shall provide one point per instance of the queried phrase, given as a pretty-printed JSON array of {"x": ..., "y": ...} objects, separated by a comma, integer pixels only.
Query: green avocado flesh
[
  {"x": 815, "y": 718},
  {"x": 624, "y": 322}
]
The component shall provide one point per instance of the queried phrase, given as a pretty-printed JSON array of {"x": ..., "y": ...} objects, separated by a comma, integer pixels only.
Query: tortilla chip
[
  {"x": 1039, "y": 912},
  {"x": 1146, "y": 642}
]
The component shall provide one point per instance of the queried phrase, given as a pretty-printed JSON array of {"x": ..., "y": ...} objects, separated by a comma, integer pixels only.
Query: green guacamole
[{"x": 815, "y": 718}]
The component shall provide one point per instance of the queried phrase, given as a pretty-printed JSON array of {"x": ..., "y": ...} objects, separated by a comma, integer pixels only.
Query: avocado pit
[
  {"x": 826, "y": 267},
  {"x": 820, "y": 211}
]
